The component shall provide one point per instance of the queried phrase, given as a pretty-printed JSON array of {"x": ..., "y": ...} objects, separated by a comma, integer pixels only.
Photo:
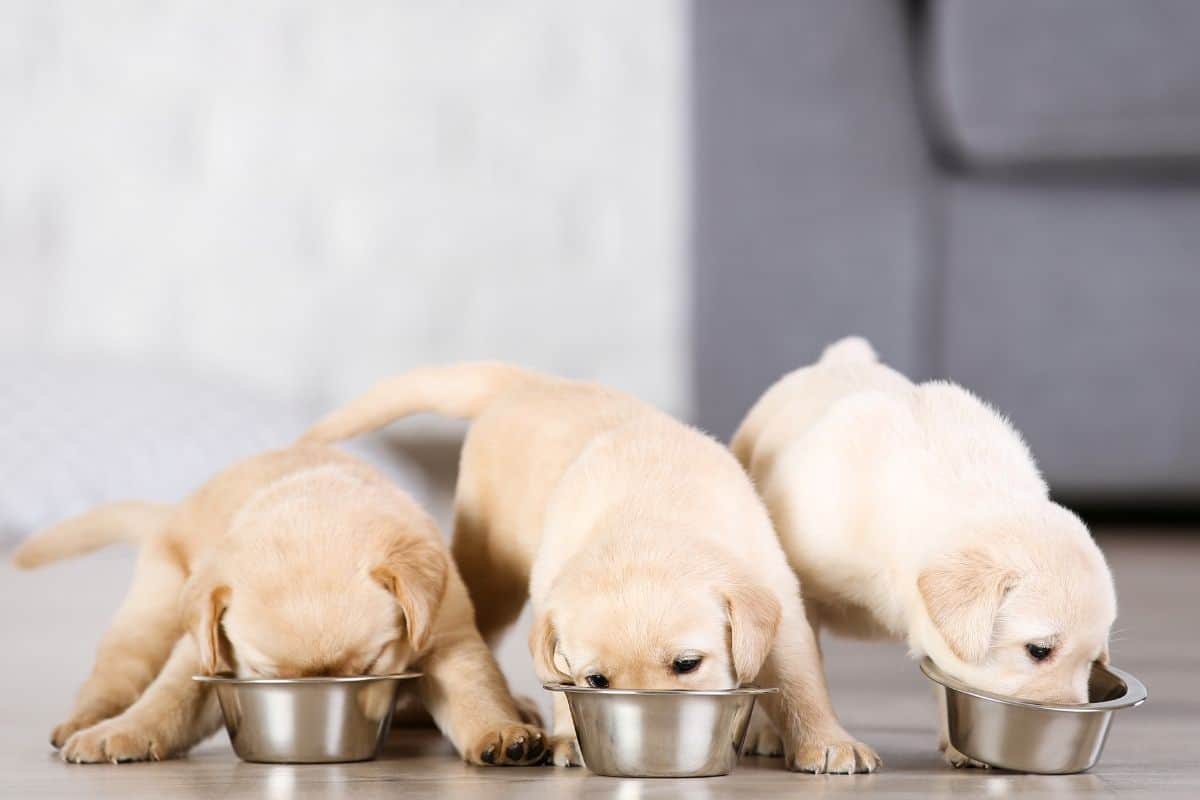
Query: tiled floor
[{"x": 54, "y": 617}]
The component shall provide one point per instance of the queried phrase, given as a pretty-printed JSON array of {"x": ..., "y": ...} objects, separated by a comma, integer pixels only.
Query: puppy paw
[
  {"x": 63, "y": 731},
  {"x": 762, "y": 741},
  {"x": 958, "y": 760},
  {"x": 564, "y": 752},
  {"x": 843, "y": 757},
  {"x": 113, "y": 742},
  {"x": 512, "y": 745}
]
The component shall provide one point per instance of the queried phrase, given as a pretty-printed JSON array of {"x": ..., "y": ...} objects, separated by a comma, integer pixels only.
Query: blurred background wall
[{"x": 307, "y": 196}]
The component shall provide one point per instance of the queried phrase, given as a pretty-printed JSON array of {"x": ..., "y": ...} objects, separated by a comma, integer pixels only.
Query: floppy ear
[
  {"x": 204, "y": 601},
  {"x": 543, "y": 641},
  {"x": 753, "y": 620},
  {"x": 415, "y": 573},
  {"x": 962, "y": 594}
]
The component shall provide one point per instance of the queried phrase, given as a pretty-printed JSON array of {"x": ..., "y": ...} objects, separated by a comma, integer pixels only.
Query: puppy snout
[
  {"x": 1067, "y": 699},
  {"x": 1066, "y": 696}
]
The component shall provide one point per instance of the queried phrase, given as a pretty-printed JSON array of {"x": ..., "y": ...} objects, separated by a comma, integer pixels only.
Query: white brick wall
[{"x": 310, "y": 195}]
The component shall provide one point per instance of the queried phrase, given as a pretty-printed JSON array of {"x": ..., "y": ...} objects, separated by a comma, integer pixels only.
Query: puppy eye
[
  {"x": 1038, "y": 652},
  {"x": 685, "y": 664},
  {"x": 597, "y": 681}
]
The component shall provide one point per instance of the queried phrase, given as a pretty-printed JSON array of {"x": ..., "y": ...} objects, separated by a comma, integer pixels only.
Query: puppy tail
[
  {"x": 850, "y": 350},
  {"x": 103, "y": 525},
  {"x": 456, "y": 390}
]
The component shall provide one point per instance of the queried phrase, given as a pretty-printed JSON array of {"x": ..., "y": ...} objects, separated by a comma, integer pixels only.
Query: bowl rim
[
  {"x": 1135, "y": 691},
  {"x": 571, "y": 688},
  {"x": 230, "y": 679}
]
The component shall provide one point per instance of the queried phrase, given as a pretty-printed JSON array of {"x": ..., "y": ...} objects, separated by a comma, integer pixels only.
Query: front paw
[
  {"x": 512, "y": 745},
  {"x": 564, "y": 752},
  {"x": 65, "y": 730},
  {"x": 841, "y": 755},
  {"x": 762, "y": 740},
  {"x": 113, "y": 742},
  {"x": 958, "y": 760}
]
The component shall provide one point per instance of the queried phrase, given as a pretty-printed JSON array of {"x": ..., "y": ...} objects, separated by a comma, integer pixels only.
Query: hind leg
[
  {"x": 495, "y": 582},
  {"x": 172, "y": 715},
  {"x": 136, "y": 644}
]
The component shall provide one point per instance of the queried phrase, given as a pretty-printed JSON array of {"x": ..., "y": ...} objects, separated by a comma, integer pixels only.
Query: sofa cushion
[
  {"x": 1074, "y": 310},
  {"x": 1026, "y": 82}
]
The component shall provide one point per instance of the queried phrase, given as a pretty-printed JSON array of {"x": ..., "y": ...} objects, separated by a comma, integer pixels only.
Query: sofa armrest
[{"x": 811, "y": 181}]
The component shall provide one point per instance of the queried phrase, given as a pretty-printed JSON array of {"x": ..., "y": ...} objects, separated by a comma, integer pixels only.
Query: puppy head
[
  {"x": 1024, "y": 613},
  {"x": 280, "y": 607},
  {"x": 651, "y": 630}
]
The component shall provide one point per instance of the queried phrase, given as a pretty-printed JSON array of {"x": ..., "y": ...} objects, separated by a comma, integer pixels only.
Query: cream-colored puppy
[
  {"x": 649, "y": 559},
  {"x": 300, "y": 562},
  {"x": 916, "y": 512}
]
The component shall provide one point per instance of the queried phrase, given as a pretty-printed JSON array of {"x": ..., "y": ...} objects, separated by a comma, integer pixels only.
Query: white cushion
[{"x": 76, "y": 433}]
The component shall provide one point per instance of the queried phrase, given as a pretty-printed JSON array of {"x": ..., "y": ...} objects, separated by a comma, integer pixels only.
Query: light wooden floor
[{"x": 53, "y": 618}]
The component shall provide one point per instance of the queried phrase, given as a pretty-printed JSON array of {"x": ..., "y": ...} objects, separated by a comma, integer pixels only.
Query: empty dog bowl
[
  {"x": 306, "y": 720},
  {"x": 660, "y": 734},
  {"x": 1034, "y": 737}
]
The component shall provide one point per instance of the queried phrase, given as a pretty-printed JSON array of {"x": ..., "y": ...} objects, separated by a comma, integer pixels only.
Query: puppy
[
  {"x": 301, "y": 562},
  {"x": 917, "y": 513},
  {"x": 649, "y": 560}
]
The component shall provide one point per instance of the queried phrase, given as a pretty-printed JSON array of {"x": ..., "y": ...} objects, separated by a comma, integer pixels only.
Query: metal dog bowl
[
  {"x": 306, "y": 720},
  {"x": 1034, "y": 737},
  {"x": 660, "y": 734}
]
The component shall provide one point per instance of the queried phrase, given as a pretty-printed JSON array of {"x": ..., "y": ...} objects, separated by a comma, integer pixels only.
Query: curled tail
[
  {"x": 115, "y": 522},
  {"x": 850, "y": 350},
  {"x": 456, "y": 390}
]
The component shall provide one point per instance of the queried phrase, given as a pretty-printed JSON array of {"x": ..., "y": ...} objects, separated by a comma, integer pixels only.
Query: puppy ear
[
  {"x": 415, "y": 573},
  {"x": 204, "y": 602},
  {"x": 543, "y": 642},
  {"x": 753, "y": 620},
  {"x": 962, "y": 594}
]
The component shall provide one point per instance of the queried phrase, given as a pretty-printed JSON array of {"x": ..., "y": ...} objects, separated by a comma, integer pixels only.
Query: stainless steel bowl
[
  {"x": 660, "y": 734},
  {"x": 1034, "y": 737},
  {"x": 306, "y": 720}
]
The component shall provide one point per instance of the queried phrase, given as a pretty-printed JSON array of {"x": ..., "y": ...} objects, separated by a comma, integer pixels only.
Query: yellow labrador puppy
[
  {"x": 300, "y": 562},
  {"x": 916, "y": 512},
  {"x": 649, "y": 559}
]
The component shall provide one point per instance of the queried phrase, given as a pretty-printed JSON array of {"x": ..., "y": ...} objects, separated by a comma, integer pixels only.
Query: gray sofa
[{"x": 1002, "y": 193}]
